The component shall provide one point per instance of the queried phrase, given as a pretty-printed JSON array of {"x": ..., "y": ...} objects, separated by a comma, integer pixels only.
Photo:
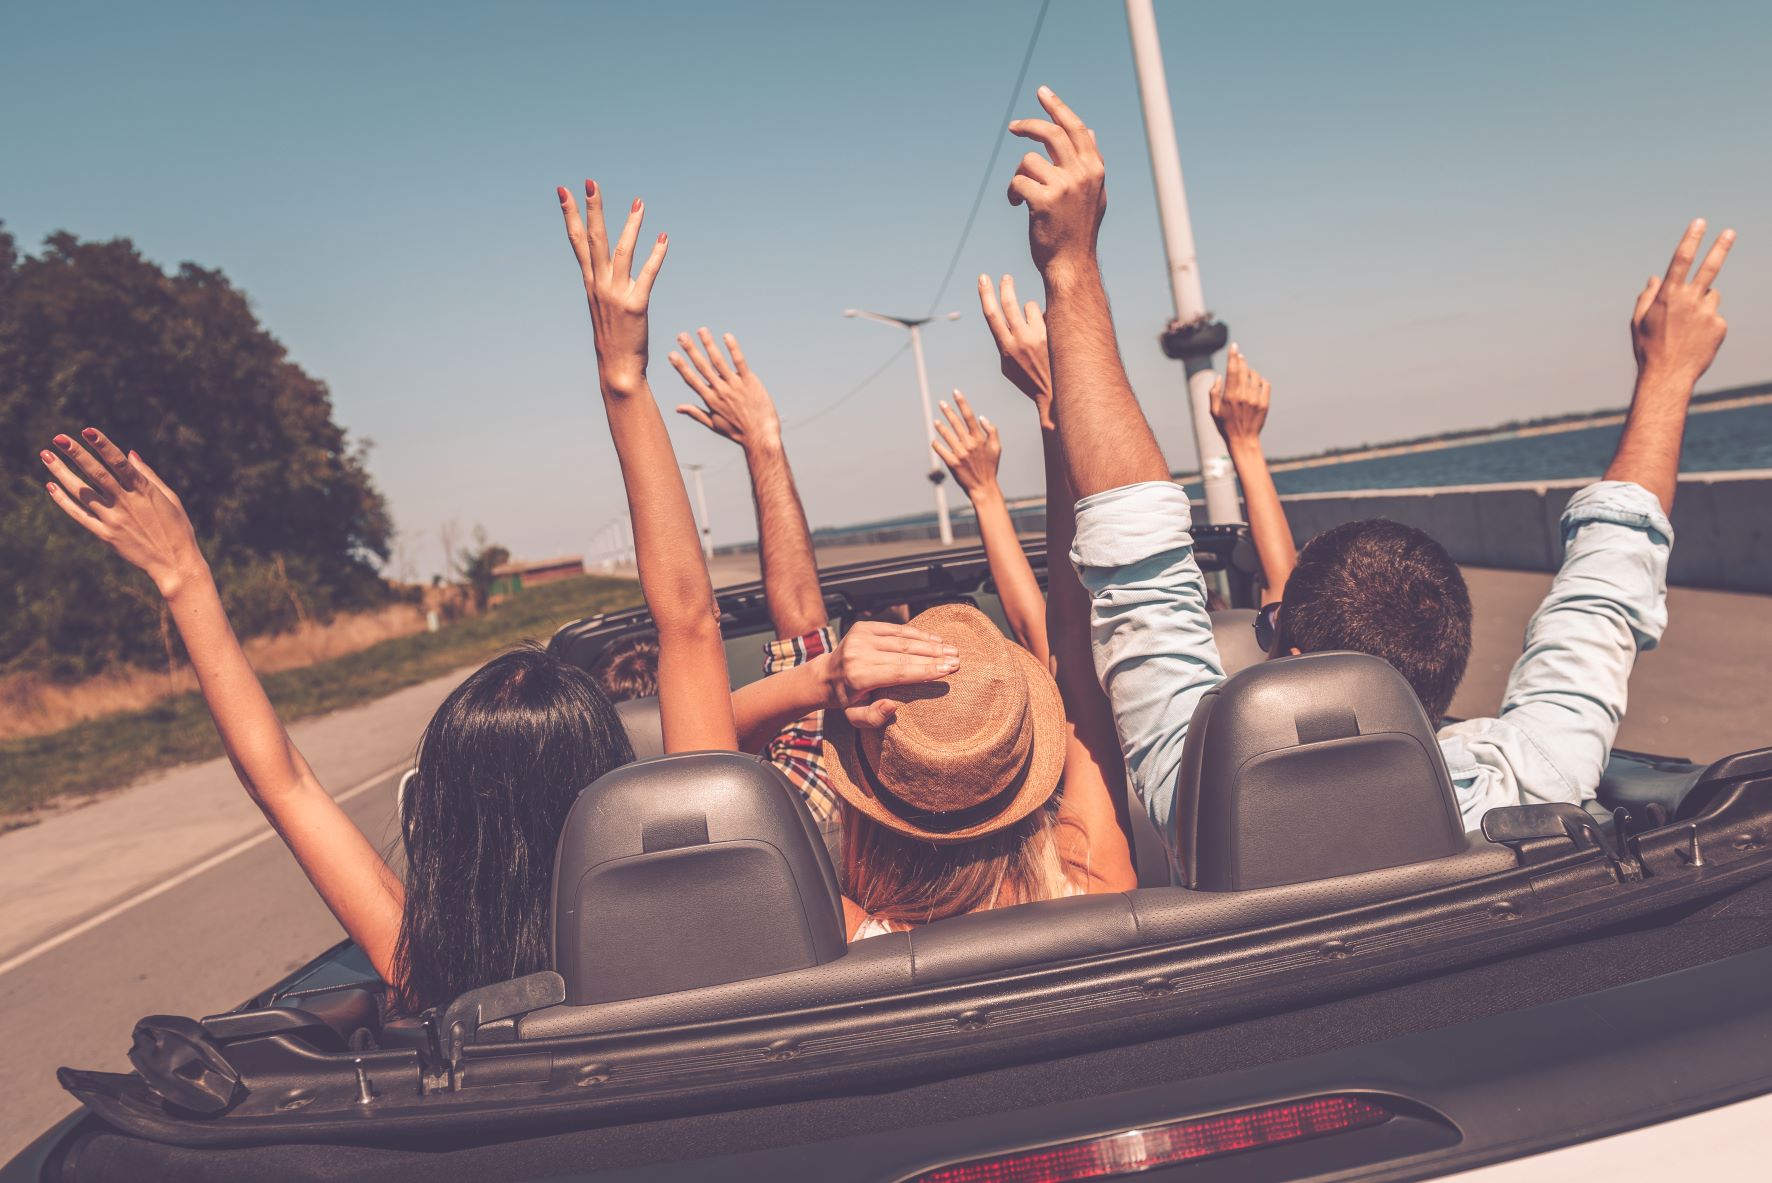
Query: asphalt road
[{"x": 174, "y": 897}]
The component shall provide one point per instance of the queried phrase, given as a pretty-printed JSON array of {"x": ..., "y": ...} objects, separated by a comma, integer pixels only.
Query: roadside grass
[{"x": 109, "y": 752}]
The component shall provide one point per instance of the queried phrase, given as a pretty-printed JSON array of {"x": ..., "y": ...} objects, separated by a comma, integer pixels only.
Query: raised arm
[
  {"x": 124, "y": 503},
  {"x": 856, "y": 677},
  {"x": 737, "y": 405},
  {"x": 694, "y": 694},
  {"x": 971, "y": 449},
  {"x": 1094, "y": 803},
  {"x": 1676, "y": 330},
  {"x": 1239, "y": 407},
  {"x": 1107, "y": 443},
  {"x": 1150, "y": 634},
  {"x": 1566, "y": 695}
]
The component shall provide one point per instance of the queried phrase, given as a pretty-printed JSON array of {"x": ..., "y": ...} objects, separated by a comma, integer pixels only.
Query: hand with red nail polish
[
  {"x": 618, "y": 298},
  {"x": 122, "y": 503}
]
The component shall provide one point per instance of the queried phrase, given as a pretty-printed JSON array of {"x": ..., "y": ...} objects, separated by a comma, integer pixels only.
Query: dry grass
[
  {"x": 100, "y": 754},
  {"x": 32, "y": 705}
]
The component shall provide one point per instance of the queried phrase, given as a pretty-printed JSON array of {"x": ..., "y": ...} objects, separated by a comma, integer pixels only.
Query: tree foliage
[
  {"x": 177, "y": 367},
  {"x": 476, "y": 564}
]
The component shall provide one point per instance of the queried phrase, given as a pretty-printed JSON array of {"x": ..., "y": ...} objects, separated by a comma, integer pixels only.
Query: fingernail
[
  {"x": 91, "y": 433},
  {"x": 560, "y": 192},
  {"x": 661, "y": 237},
  {"x": 950, "y": 651},
  {"x": 984, "y": 420},
  {"x": 949, "y": 664},
  {"x": 636, "y": 206},
  {"x": 46, "y": 455},
  {"x": 62, "y": 441},
  {"x": 1046, "y": 90}
]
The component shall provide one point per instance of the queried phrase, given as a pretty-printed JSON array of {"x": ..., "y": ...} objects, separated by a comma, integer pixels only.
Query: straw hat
[{"x": 964, "y": 757}]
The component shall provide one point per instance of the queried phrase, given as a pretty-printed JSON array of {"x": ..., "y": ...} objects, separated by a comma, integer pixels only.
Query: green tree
[
  {"x": 178, "y": 367},
  {"x": 476, "y": 564}
]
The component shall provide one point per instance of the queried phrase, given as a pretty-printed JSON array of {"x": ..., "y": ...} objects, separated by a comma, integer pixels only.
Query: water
[{"x": 1716, "y": 441}]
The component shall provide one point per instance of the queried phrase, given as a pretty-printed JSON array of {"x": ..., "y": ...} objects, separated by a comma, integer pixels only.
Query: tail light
[{"x": 1169, "y": 1144}]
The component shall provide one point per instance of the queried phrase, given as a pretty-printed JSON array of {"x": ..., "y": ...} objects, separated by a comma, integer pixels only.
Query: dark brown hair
[
  {"x": 628, "y": 668},
  {"x": 1380, "y": 587}
]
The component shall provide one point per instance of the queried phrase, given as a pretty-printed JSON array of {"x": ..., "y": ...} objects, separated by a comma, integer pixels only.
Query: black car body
[{"x": 1564, "y": 978}]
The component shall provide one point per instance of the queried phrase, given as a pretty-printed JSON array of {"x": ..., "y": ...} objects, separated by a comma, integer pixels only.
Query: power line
[
  {"x": 853, "y": 391},
  {"x": 873, "y": 374},
  {"x": 990, "y": 167}
]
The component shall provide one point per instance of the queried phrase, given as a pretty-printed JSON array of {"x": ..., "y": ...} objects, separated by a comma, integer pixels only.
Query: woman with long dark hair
[{"x": 505, "y": 755}]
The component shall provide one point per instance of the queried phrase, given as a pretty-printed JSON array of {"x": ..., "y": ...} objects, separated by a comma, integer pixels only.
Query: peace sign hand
[{"x": 1676, "y": 328}]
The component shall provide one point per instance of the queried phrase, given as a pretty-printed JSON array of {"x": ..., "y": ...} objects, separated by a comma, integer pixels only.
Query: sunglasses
[{"x": 1267, "y": 626}]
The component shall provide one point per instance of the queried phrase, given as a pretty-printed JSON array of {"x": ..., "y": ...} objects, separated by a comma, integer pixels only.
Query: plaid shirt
[{"x": 798, "y": 750}]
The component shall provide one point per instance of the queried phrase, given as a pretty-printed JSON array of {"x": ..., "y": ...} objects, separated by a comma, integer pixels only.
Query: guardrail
[{"x": 1722, "y": 522}]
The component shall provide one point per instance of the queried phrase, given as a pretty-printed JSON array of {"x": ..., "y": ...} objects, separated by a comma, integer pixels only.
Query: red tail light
[{"x": 1168, "y": 1145}]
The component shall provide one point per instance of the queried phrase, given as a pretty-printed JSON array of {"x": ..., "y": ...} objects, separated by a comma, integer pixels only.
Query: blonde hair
[{"x": 905, "y": 881}]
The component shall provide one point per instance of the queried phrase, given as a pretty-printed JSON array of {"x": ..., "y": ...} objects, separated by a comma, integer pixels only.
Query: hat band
[{"x": 944, "y": 821}]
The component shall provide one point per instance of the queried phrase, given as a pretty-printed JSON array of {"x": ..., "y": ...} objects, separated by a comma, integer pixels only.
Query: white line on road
[{"x": 184, "y": 876}]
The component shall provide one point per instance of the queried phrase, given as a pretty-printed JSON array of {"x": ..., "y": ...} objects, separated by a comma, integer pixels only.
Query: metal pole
[
  {"x": 1222, "y": 504},
  {"x": 701, "y": 509},
  {"x": 936, "y": 474}
]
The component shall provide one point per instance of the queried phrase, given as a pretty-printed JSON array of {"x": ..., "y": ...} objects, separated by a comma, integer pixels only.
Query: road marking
[{"x": 184, "y": 876}]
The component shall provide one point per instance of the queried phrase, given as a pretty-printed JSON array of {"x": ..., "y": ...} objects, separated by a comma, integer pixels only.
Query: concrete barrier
[{"x": 1722, "y": 524}]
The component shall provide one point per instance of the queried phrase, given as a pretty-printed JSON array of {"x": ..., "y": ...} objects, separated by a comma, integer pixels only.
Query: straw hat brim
[{"x": 1045, "y": 768}]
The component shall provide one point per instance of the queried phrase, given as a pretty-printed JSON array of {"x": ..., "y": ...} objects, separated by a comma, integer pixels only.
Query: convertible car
[{"x": 1332, "y": 980}]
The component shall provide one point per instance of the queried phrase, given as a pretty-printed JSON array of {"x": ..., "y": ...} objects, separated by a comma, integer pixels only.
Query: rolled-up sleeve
[
  {"x": 1566, "y": 694},
  {"x": 1150, "y": 632}
]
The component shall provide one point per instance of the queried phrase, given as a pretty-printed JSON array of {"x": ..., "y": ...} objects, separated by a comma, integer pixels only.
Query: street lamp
[
  {"x": 1193, "y": 337},
  {"x": 936, "y": 473}
]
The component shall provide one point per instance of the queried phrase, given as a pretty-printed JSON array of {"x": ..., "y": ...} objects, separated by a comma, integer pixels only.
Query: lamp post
[
  {"x": 1191, "y": 338},
  {"x": 937, "y": 474}
]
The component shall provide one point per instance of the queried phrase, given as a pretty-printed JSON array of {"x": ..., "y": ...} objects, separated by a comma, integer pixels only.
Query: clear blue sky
[{"x": 1414, "y": 216}]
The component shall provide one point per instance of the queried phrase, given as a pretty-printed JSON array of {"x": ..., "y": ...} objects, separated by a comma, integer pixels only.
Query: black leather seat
[
  {"x": 639, "y": 716},
  {"x": 1310, "y": 767},
  {"x": 690, "y": 870}
]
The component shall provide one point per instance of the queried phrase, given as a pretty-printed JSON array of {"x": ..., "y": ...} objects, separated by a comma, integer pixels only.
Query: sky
[{"x": 1414, "y": 217}]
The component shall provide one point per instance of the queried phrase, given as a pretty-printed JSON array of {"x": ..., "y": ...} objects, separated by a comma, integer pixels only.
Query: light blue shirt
[{"x": 1153, "y": 647}]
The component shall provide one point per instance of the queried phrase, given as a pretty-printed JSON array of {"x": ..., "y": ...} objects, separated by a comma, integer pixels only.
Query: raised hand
[
  {"x": 1675, "y": 327},
  {"x": 123, "y": 504},
  {"x": 1239, "y": 400},
  {"x": 738, "y": 405},
  {"x": 1065, "y": 191},
  {"x": 1020, "y": 333},
  {"x": 969, "y": 447},
  {"x": 874, "y": 656},
  {"x": 618, "y": 298}
]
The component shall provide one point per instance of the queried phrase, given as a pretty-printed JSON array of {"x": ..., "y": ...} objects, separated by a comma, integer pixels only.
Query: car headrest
[
  {"x": 639, "y": 717},
  {"x": 1234, "y": 631},
  {"x": 1309, "y": 767},
  {"x": 690, "y": 870}
]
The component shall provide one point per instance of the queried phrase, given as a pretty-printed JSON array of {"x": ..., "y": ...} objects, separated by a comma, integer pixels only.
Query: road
[{"x": 173, "y": 896}]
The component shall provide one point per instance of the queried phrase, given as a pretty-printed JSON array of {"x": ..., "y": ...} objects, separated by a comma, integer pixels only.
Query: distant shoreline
[{"x": 1715, "y": 400}]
